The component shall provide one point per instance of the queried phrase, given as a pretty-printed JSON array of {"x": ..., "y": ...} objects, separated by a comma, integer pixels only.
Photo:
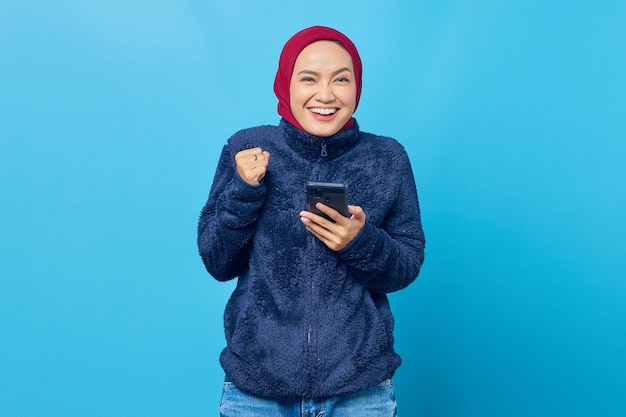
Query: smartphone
[{"x": 332, "y": 194}]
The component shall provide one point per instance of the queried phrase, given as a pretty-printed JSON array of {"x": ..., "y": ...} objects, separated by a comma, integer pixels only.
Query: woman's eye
[
  {"x": 307, "y": 79},
  {"x": 342, "y": 80}
]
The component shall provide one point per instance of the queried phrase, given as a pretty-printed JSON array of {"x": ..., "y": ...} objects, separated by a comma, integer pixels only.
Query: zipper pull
[{"x": 324, "y": 153}]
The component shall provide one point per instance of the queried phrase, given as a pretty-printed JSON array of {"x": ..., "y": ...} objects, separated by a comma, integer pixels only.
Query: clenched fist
[{"x": 252, "y": 164}]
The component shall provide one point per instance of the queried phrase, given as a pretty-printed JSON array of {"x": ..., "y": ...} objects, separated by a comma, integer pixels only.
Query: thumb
[{"x": 357, "y": 212}]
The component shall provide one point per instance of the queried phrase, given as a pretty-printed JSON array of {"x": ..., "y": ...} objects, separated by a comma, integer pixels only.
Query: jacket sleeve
[
  {"x": 388, "y": 257},
  {"x": 228, "y": 221}
]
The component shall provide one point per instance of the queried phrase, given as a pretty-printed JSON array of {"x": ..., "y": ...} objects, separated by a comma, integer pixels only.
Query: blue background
[{"x": 112, "y": 115}]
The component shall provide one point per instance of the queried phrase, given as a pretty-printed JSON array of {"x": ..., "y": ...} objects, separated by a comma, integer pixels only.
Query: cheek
[
  {"x": 349, "y": 98},
  {"x": 294, "y": 97}
]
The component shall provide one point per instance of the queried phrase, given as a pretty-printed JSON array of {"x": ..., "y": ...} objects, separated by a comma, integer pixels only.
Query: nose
[{"x": 325, "y": 93}]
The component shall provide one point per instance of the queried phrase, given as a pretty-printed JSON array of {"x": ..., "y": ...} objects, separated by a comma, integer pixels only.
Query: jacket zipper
[
  {"x": 310, "y": 361},
  {"x": 311, "y": 353}
]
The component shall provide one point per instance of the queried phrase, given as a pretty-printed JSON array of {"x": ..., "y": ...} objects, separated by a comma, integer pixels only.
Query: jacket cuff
[
  {"x": 364, "y": 248},
  {"x": 241, "y": 202}
]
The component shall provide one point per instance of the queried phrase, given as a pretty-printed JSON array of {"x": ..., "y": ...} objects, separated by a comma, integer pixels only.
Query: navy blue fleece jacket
[{"x": 305, "y": 320}]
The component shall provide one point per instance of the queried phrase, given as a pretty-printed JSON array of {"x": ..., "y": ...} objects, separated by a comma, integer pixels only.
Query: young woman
[{"x": 308, "y": 327}]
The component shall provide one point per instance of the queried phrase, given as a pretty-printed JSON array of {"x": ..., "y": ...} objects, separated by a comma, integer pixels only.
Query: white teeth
[{"x": 322, "y": 110}]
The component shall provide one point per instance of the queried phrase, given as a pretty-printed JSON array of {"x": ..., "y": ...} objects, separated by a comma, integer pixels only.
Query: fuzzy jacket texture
[{"x": 304, "y": 320}]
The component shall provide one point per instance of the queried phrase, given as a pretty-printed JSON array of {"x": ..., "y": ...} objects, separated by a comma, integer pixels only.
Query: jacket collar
[{"x": 314, "y": 147}]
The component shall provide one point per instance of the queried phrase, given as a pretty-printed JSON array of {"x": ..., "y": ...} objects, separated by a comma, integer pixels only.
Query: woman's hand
[
  {"x": 336, "y": 235},
  {"x": 252, "y": 165}
]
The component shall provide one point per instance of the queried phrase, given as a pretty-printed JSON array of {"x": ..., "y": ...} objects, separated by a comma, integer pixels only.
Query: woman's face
[{"x": 323, "y": 88}]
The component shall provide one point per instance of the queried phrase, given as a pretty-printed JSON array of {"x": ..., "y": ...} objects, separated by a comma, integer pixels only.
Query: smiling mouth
[{"x": 322, "y": 111}]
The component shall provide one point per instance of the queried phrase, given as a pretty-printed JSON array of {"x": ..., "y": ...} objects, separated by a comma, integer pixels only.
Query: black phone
[{"x": 332, "y": 194}]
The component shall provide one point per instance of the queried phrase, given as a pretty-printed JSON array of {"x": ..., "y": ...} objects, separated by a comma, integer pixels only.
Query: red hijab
[{"x": 287, "y": 61}]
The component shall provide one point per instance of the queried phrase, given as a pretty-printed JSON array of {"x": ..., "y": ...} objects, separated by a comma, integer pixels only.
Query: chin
[
  {"x": 324, "y": 129},
  {"x": 323, "y": 132}
]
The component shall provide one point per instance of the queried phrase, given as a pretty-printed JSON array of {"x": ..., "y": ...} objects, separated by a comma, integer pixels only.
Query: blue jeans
[{"x": 378, "y": 401}]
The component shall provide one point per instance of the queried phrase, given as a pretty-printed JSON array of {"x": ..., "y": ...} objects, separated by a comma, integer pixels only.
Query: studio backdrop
[{"x": 112, "y": 117}]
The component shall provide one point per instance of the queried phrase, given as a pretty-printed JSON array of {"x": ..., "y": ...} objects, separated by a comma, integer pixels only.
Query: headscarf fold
[{"x": 287, "y": 61}]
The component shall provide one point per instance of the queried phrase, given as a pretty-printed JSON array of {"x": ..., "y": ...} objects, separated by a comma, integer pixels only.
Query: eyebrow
[{"x": 339, "y": 71}]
